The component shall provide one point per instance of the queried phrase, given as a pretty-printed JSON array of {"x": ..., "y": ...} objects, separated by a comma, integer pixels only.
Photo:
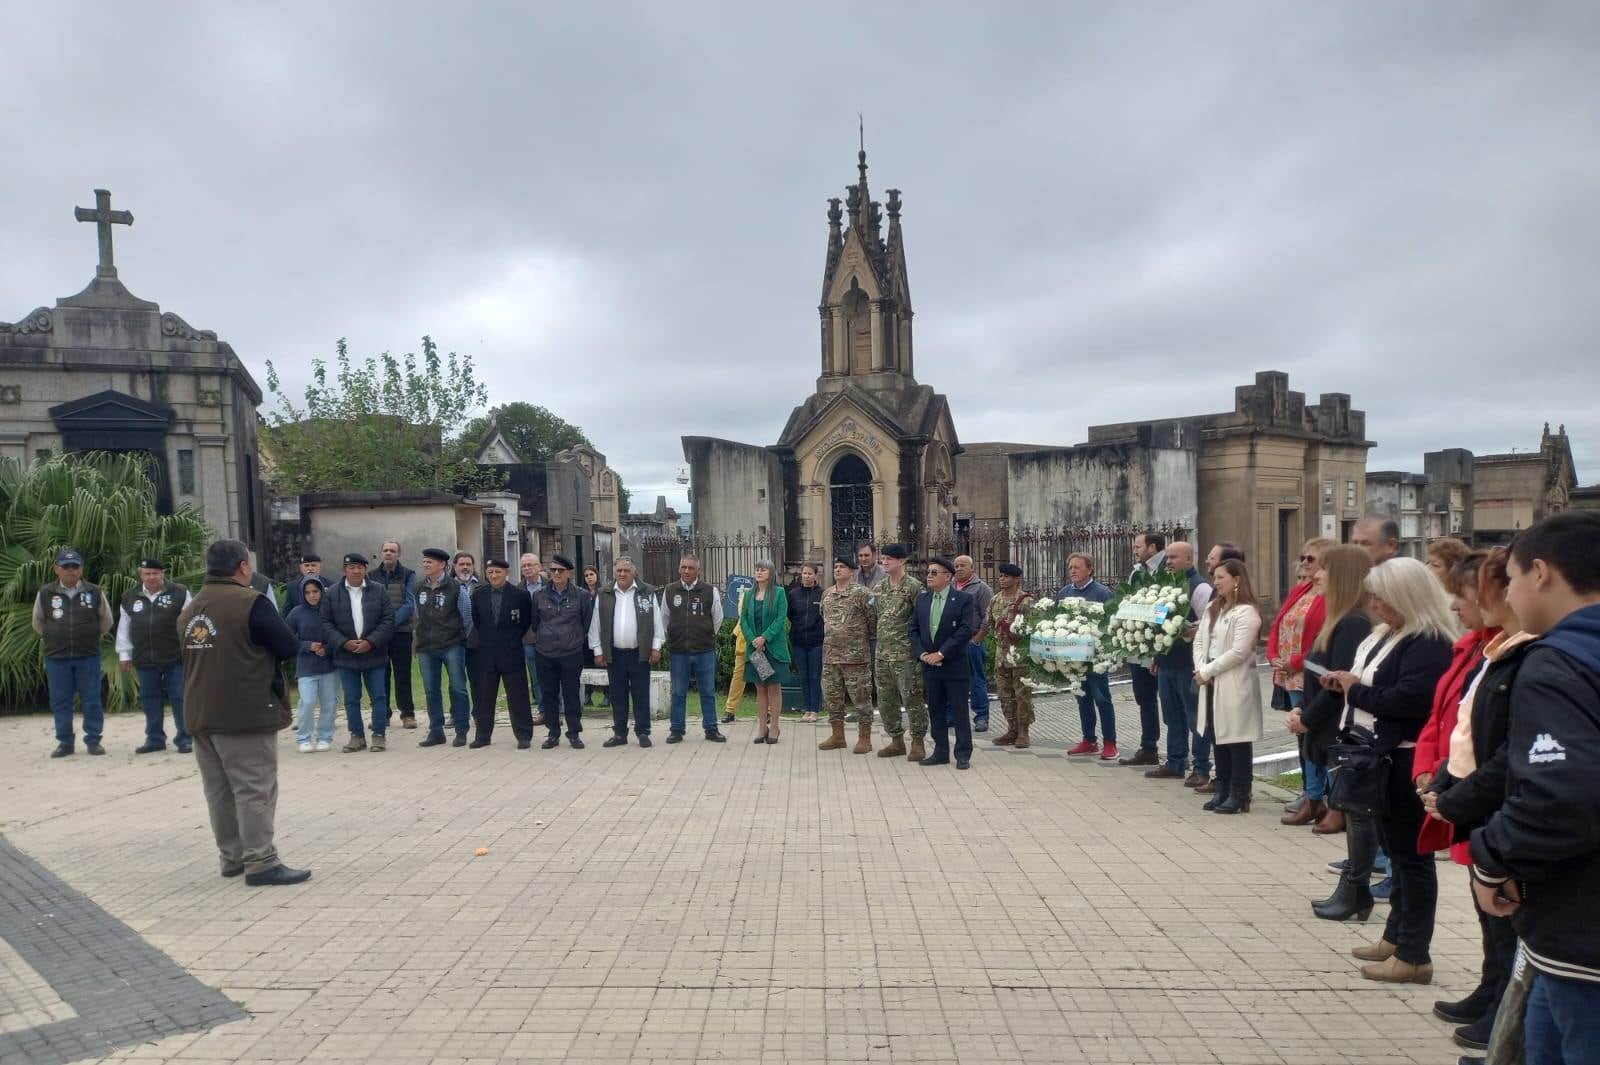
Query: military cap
[
  {"x": 943, "y": 563},
  {"x": 68, "y": 557},
  {"x": 152, "y": 563},
  {"x": 1010, "y": 569},
  {"x": 355, "y": 558},
  {"x": 560, "y": 562},
  {"x": 894, "y": 551},
  {"x": 436, "y": 553},
  {"x": 845, "y": 560},
  {"x": 310, "y": 556},
  {"x": 496, "y": 563}
]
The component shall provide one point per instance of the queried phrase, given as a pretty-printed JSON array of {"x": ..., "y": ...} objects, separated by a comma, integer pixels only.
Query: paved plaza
[{"x": 697, "y": 902}]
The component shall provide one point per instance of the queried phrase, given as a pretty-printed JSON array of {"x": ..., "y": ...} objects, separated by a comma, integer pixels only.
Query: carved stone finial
[
  {"x": 835, "y": 216},
  {"x": 894, "y": 205},
  {"x": 874, "y": 215}
]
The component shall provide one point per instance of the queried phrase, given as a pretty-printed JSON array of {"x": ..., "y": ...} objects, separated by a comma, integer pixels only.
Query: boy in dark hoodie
[{"x": 1537, "y": 860}]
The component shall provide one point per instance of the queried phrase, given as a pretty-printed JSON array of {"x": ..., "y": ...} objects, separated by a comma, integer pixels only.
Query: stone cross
[{"x": 104, "y": 218}]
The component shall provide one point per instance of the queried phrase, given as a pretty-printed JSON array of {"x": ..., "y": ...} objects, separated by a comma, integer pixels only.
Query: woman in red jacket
[{"x": 1293, "y": 632}]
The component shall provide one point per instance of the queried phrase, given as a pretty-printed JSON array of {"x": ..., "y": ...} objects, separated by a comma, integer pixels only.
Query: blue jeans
[
  {"x": 1560, "y": 1024},
  {"x": 980, "y": 681},
  {"x": 453, "y": 662},
  {"x": 1180, "y": 709},
  {"x": 319, "y": 702},
  {"x": 377, "y": 694},
  {"x": 1097, "y": 693},
  {"x": 529, "y": 651},
  {"x": 808, "y": 665},
  {"x": 1145, "y": 689},
  {"x": 704, "y": 668},
  {"x": 159, "y": 685},
  {"x": 81, "y": 677}
]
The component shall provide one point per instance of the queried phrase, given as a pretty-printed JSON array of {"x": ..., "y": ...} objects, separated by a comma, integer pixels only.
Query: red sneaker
[
  {"x": 1085, "y": 747},
  {"x": 1108, "y": 753}
]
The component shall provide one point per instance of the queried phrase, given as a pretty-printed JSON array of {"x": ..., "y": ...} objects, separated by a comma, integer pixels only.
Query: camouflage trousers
[
  {"x": 900, "y": 685},
  {"x": 851, "y": 683},
  {"x": 1016, "y": 698}
]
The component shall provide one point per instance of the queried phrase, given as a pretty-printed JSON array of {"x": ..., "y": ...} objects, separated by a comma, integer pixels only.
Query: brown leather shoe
[
  {"x": 1140, "y": 757},
  {"x": 1206, "y": 786},
  {"x": 1382, "y": 950},
  {"x": 1308, "y": 813},
  {"x": 1194, "y": 780},
  {"x": 896, "y": 747},
  {"x": 1161, "y": 772},
  {"x": 1332, "y": 822},
  {"x": 1006, "y": 738},
  {"x": 863, "y": 738},
  {"x": 835, "y": 739},
  {"x": 538, "y": 720},
  {"x": 1023, "y": 741},
  {"x": 1395, "y": 971},
  {"x": 918, "y": 752},
  {"x": 408, "y": 720}
]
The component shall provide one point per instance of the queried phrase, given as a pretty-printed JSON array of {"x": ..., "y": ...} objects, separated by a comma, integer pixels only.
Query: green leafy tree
[
  {"x": 378, "y": 424},
  {"x": 105, "y": 506},
  {"x": 534, "y": 433},
  {"x": 624, "y": 498}
]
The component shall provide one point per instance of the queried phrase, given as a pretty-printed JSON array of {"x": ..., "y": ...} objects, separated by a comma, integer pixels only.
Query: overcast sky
[{"x": 1112, "y": 211}]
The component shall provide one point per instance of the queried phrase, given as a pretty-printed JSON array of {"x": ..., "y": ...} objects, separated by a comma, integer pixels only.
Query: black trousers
[
  {"x": 629, "y": 672},
  {"x": 1499, "y": 954},
  {"x": 558, "y": 684},
  {"x": 1416, "y": 880},
  {"x": 398, "y": 679},
  {"x": 947, "y": 706},
  {"x": 485, "y": 687}
]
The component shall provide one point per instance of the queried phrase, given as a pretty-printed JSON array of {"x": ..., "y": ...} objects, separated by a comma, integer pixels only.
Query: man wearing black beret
[
  {"x": 501, "y": 614},
  {"x": 357, "y": 620},
  {"x": 310, "y": 569},
  {"x": 561, "y": 616},
  {"x": 147, "y": 641}
]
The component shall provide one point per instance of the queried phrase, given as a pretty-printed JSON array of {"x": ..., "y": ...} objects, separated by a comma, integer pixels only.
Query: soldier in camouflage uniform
[
  {"x": 847, "y": 656},
  {"x": 1016, "y": 698},
  {"x": 898, "y": 671}
]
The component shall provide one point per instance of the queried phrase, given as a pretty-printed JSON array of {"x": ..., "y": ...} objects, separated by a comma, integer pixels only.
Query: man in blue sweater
[{"x": 1096, "y": 686}]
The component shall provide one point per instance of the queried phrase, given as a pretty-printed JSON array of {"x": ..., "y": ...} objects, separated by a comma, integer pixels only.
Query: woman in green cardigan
[{"x": 764, "y": 621}]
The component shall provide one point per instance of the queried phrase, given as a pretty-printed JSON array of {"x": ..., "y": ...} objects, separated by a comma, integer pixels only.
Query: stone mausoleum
[{"x": 106, "y": 371}]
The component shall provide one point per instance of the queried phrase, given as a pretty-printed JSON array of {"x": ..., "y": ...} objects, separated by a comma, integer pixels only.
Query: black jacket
[
  {"x": 1400, "y": 696},
  {"x": 500, "y": 641},
  {"x": 1470, "y": 803},
  {"x": 339, "y": 625},
  {"x": 956, "y": 626},
  {"x": 1323, "y": 707},
  {"x": 1546, "y": 834},
  {"x": 805, "y": 615}
]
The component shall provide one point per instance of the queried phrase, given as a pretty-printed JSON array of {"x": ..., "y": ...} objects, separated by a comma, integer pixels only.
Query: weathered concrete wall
[
  {"x": 1101, "y": 484},
  {"x": 336, "y": 530},
  {"x": 734, "y": 488}
]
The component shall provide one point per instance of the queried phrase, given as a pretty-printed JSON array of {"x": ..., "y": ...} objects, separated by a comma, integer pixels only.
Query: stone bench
[{"x": 660, "y": 690}]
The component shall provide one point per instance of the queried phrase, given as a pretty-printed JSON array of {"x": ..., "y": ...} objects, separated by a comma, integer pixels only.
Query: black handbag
[
  {"x": 1358, "y": 775},
  {"x": 1280, "y": 698}
]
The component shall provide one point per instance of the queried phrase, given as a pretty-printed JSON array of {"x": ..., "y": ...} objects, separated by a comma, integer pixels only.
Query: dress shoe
[
  {"x": 1296, "y": 805},
  {"x": 1395, "y": 971},
  {"x": 408, "y": 721},
  {"x": 550, "y": 744},
  {"x": 1332, "y": 822},
  {"x": 644, "y": 741},
  {"x": 962, "y": 763},
  {"x": 460, "y": 740},
  {"x": 481, "y": 741},
  {"x": 1140, "y": 757},
  {"x": 577, "y": 743},
  {"x": 94, "y": 748},
  {"x": 935, "y": 759},
  {"x": 1382, "y": 950},
  {"x": 432, "y": 741},
  {"x": 1349, "y": 900},
  {"x": 772, "y": 739},
  {"x": 184, "y": 748},
  {"x": 1206, "y": 786},
  {"x": 1161, "y": 772},
  {"x": 1465, "y": 1060},
  {"x": 1309, "y": 812},
  {"x": 1464, "y": 1011},
  {"x": 616, "y": 741},
  {"x": 728, "y": 717},
  {"x": 1194, "y": 780},
  {"x": 1475, "y": 1036},
  {"x": 229, "y": 874},
  {"x": 523, "y": 745},
  {"x": 716, "y": 737},
  {"x": 761, "y": 737},
  {"x": 674, "y": 737},
  {"x": 149, "y": 748},
  {"x": 277, "y": 876},
  {"x": 61, "y": 751},
  {"x": 538, "y": 719}
]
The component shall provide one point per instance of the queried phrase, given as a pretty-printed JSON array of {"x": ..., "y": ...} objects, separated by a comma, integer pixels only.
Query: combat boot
[
  {"x": 897, "y": 747},
  {"x": 1023, "y": 739},
  {"x": 863, "y": 738},
  {"x": 1006, "y": 738},
  {"x": 918, "y": 751},
  {"x": 835, "y": 740}
]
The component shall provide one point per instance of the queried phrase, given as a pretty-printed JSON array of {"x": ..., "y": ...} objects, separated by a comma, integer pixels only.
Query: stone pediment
[
  {"x": 908, "y": 412},
  {"x": 111, "y": 410}
]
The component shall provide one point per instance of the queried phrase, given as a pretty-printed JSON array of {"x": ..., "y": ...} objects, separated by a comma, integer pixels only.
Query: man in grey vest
[
  {"x": 626, "y": 642},
  {"x": 561, "y": 615},
  {"x": 443, "y": 624},
  {"x": 400, "y": 583},
  {"x": 691, "y": 614},
  {"x": 147, "y": 641},
  {"x": 72, "y": 615},
  {"x": 237, "y": 703}
]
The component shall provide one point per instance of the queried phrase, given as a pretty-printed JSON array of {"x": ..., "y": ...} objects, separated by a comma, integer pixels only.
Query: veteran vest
[
  {"x": 395, "y": 584},
  {"x": 153, "y": 624},
  {"x": 71, "y": 622},
  {"x": 690, "y": 628},
  {"x": 227, "y": 679},
  {"x": 438, "y": 620}
]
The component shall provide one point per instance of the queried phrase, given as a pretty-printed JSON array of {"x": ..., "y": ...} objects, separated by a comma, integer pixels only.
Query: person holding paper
[{"x": 764, "y": 623}]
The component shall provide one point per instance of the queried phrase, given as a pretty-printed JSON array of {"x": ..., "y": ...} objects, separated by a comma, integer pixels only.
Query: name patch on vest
[
  {"x": 138, "y": 606},
  {"x": 200, "y": 634}
]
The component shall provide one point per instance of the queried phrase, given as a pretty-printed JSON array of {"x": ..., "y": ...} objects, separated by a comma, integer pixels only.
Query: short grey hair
[
  {"x": 224, "y": 556},
  {"x": 623, "y": 560}
]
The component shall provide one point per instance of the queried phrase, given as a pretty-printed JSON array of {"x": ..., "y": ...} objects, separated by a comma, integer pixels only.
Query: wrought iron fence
[{"x": 720, "y": 556}]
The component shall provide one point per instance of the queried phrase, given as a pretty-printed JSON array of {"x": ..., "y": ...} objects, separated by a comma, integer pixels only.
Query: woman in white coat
[{"x": 1230, "y": 692}]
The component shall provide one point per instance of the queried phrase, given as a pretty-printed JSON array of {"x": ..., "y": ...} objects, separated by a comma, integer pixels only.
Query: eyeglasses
[{"x": 1308, "y": 558}]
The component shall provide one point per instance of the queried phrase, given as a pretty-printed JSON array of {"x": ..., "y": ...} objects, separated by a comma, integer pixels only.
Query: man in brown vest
[{"x": 235, "y": 703}]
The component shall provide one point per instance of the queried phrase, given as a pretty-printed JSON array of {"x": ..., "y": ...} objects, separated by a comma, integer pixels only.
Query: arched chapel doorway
[{"x": 850, "y": 496}]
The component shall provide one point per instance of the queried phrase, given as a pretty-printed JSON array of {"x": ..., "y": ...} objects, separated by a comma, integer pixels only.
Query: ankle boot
[
  {"x": 918, "y": 752},
  {"x": 1348, "y": 900},
  {"x": 835, "y": 739},
  {"x": 1332, "y": 822},
  {"x": 1219, "y": 795},
  {"x": 1006, "y": 738},
  {"x": 1382, "y": 950},
  {"x": 863, "y": 738},
  {"x": 896, "y": 747},
  {"x": 1309, "y": 813},
  {"x": 1023, "y": 740}
]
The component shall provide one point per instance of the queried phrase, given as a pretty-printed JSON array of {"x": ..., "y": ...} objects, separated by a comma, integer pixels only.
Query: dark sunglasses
[{"x": 1308, "y": 558}]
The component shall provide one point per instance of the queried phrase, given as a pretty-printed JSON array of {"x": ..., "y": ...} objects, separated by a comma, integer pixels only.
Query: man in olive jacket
[{"x": 235, "y": 704}]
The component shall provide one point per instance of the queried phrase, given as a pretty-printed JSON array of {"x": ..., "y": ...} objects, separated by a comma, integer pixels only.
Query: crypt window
[{"x": 186, "y": 471}]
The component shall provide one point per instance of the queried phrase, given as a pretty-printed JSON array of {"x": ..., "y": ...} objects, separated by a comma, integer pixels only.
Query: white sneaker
[
  {"x": 305, "y": 746},
  {"x": 324, "y": 745}
]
